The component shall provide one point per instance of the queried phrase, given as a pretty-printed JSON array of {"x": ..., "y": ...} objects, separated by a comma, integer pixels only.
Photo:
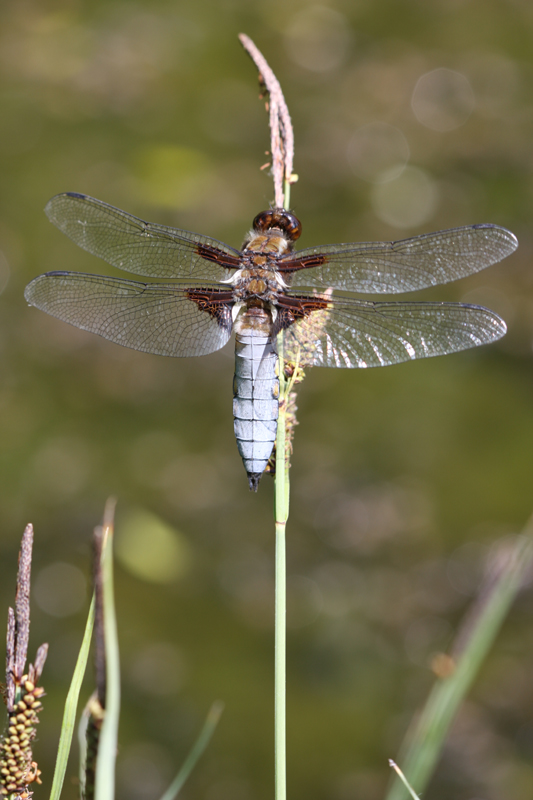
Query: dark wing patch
[
  {"x": 354, "y": 333},
  {"x": 165, "y": 319},
  {"x": 214, "y": 302},
  {"x": 295, "y": 309},
  {"x": 217, "y": 256},
  {"x": 297, "y": 262}
]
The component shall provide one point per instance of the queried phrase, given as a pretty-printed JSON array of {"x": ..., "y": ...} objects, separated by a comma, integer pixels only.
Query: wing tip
[
  {"x": 76, "y": 195},
  {"x": 28, "y": 293},
  {"x": 510, "y": 238},
  {"x": 49, "y": 208},
  {"x": 32, "y": 285},
  {"x": 30, "y": 289},
  {"x": 502, "y": 328},
  {"x": 499, "y": 324}
]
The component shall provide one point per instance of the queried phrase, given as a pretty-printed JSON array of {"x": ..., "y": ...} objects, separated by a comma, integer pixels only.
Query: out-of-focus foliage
[{"x": 409, "y": 117}]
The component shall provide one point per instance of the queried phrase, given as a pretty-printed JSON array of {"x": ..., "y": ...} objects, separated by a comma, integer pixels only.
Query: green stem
[
  {"x": 428, "y": 736},
  {"x": 195, "y": 753},
  {"x": 281, "y": 492},
  {"x": 71, "y": 705},
  {"x": 279, "y": 673},
  {"x": 281, "y": 501},
  {"x": 286, "y": 194},
  {"x": 107, "y": 747}
]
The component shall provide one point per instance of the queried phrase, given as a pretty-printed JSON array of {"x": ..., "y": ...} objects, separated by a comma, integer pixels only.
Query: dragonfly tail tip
[{"x": 253, "y": 480}]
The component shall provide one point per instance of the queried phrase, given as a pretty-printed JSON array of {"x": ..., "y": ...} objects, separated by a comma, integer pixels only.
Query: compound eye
[
  {"x": 280, "y": 219},
  {"x": 263, "y": 221},
  {"x": 292, "y": 226}
]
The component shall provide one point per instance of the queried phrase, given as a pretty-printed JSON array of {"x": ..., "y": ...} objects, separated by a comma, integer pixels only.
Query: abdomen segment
[{"x": 255, "y": 400}]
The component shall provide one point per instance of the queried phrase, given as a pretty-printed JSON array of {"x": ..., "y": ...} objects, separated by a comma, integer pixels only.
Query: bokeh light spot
[
  {"x": 4, "y": 272},
  {"x": 443, "y": 99},
  {"x": 408, "y": 201},
  {"x": 318, "y": 38},
  {"x": 378, "y": 152},
  {"x": 158, "y": 669},
  {"x": 61, "y": 468},
  {"x": 230, "y": 788},
  {"x": 143, "y": 771},
  {"x": 172, "y": 177},
  {"x": 151, "y": 549},
  {"x": 466, "y": 566},
  {"x": 304, "y": 601},
  {"x": 60, "y": 589},
  {"x": 342, "y": 587},
  {"x": 425, "y": 637}
]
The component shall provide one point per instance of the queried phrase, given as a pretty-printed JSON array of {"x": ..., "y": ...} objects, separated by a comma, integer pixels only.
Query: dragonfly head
[{"x": 278, "y": 219}]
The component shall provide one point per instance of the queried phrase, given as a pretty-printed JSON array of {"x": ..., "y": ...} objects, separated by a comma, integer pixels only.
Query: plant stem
[
  {"x": 195, "y": 753},
  {"x": 279, "y": 675},
  {"x": 107, "y": 747},
  {"x": 286, "y": 193},
  {"x": 71, "y": 706},
  {"x": 282, "y": 149},
  {"x": 281, "y": 494},
  {"x": 427, "y": 738}
]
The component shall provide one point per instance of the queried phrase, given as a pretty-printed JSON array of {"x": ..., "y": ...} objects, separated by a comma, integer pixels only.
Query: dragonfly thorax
[
  {"x": 252, "y": 283},
  {"x": 273, "y": 243}
]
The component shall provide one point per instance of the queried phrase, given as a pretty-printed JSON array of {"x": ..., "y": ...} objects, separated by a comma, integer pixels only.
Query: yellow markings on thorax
[
  {"x": 259, "y": 261},
  {"x": 274, "y": 243},
  {"x": 257, "y": 286}
]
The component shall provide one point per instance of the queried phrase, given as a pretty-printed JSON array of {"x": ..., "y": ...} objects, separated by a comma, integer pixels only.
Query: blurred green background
[{"x": 409, "y": 117}]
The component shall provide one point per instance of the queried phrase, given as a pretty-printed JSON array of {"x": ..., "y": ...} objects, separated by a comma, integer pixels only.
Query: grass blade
[
  {"x": 196, "y": 751},
  {"x": 281, "y": 510},
  {"x": 403, "y": 779},
  {"x": 71, "y": 705},
  {"x": 82, "y": 744},
  {"x": 481, "y": 626},
  {"x": 107, "y": 747}
]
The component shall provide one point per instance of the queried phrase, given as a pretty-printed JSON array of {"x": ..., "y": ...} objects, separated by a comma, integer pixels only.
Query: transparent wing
[
  {"x": 136, "y": 246},
  {"x": 167, "y": 320},
  {"x": 355, "y": 333},
  {"x": 404, "y": 266}
]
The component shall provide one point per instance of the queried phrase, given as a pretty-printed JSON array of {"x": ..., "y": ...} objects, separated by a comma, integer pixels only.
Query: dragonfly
[{"x": 205, "y": 290}]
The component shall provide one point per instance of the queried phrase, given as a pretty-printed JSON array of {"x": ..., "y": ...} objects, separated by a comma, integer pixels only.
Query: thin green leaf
[
  {"x": 196, "y": 751},
  {"x": 107, "y": 748},
  {"x": 82, "y": 744},
  {"x": 483, "y": 623},
  {"x": 71, "y": 705},
  {"x": 281, "y": 510},
  {"x": 403, "y": 779}
]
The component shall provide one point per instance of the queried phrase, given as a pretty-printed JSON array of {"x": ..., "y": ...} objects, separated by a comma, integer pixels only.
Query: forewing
[
  {"x": 404, "y": 266},
  {"x": 141, "y": 247},
  {"x": 355, "y": 333},
  {"x": 167, "y": 320}
]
